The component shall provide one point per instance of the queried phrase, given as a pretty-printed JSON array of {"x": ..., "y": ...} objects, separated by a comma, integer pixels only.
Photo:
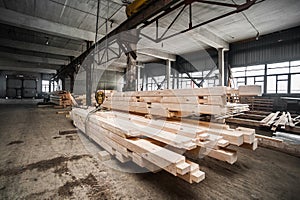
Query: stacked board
[
  {"x": 62, "y": 98},
  {"x": 158, "y": 144},
  {"x": 175, "y": 103},
  {"x": 258, "y": 103},
  {"x": 279, "y": 119}
]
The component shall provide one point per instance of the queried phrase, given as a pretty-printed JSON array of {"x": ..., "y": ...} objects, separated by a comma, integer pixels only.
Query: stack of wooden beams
[
  {"x": 81, "y": 99},
  {"x": 175, "y": 103},
  {"x": 62, "y": 98},
  {"x": 249, "y": 90},
  {"x": 158, "y": 144},
  {"x": 258, "y": 103},
  {"x": 275, "y": 120}
]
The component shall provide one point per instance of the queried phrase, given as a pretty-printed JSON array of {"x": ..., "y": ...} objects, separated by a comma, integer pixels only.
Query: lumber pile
[
  {"x": 175, "y": 103},
  {"x": 158, "y": 144},
  {"x": 275, "y": 120},
  {"x": 258, "y": 103},
  {"x": 250, "y": 90},
  {"x": 62, "y": 98},
  {"x": 81, "y": 99},
  {"x": 251, "y": 95}
]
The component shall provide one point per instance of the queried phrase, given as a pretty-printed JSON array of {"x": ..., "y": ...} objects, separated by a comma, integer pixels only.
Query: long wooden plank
[{"x": 211, "y": 91}]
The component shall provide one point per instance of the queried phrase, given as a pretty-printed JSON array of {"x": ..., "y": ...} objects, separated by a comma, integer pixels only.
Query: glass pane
[
  {"x": 278, "y": 68},
  {"x": 238, "y": 71},
  {"x": 205, "y": 73},
  {"x": 278, "y": 71},
  {"x": 295, "y": 69},
  {"x": 45, "y": 86},
  {"x": 259, "y": 78},
  {"x": 295, "y": 83},
  {"x": 282, "y": 86},
  {"x": 278, "y": 65},
  {"x": 250, "y": 80},
  {"x": 295, "y": 63},
  {"x": 255, "y": 70},
  {"x": 282, "y": 77},
  {"x": 271, "y": 84}
]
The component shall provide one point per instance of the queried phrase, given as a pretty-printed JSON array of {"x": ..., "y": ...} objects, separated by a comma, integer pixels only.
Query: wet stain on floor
[
  {"x": 42, "y": 165},
  {"x": 15, "y": 142},
  {"x": 96, "y": 191}
]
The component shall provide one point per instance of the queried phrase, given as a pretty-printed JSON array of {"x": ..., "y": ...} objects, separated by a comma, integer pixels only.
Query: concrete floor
[{"x": 38, "y": 163}]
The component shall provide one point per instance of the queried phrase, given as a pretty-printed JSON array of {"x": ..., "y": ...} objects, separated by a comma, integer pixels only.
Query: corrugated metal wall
[{"x": 275, "y": 47}]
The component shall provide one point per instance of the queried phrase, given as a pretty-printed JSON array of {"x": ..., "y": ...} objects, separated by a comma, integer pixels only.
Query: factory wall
[
  {"x": 37, "y": 76},
  {"x": 275, "y": 47}
]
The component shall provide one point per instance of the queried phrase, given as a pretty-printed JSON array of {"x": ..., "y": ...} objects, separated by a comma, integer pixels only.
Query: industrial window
[
  {"x": 277, "y": 84},
  {"x": 295, "y": 83},
  {"x": 250, "y": 75},
  {"x": 283, "y": 77},
  {"x": 255, "y": 70},
  {"x": 278, "y": 68},
  {"x": 295, "y": 67},
  {"x": 45, "y": 86}
]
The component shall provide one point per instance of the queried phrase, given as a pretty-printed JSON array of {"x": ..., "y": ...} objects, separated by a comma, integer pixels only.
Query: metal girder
[
  {"x": 151, "y": 9},
  {"x": 156, "y": 9},
  {"x": 183, "y": 4}
]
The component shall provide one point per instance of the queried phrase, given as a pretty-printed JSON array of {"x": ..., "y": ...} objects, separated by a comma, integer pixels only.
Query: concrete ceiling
[{"x": 46, "y": 33}]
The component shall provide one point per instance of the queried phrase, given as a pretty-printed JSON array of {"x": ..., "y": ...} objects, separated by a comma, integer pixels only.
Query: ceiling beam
[
  {"x": 34, "y": 59},
  {"x": 30, "y": 67},
  {"x": 157, "y": 54},
  {"x": 38, "y": 24},
  {"x": 22, "y": 69},
  {"x": 14, "y": 63},
  {"x": 38, "y": 48},
  {"x": 207, "y": 37}
]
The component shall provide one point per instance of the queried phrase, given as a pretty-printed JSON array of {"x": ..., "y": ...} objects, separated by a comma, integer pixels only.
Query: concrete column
[
  {"x": 146, "y": 79},
  {"x": 173, "y": 78},
  {"x": 63, "y": 84},
  {"x": 221, "y": 66},
  {"x": 72, "y": 82},
  {"x": 53, "y": 89},
  {"x": 177, "y": 79},
  {"x": 138, "y": 76},
  {"x": 130, "y": 82},
  {"x": 88, "y": 85},
  {"x": 49, "y": 85},
  {"x": 168, "y": 74}
]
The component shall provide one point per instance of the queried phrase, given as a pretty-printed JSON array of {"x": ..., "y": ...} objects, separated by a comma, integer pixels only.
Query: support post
[
  {"x": 168, "y": 74},
  {"x": 221, "y": 66},
  {"x": 53, "y": 86},
  {"x": 146, "y": 79},
  {"x": 131, "y": 70},
  {"x": 138, "y": 76},
  {"x": 63, "y": 84},
  {"x": 50, "y": 86},
  {"x": 72, "y": 82},
  {"x": 88, "y": 84}
]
